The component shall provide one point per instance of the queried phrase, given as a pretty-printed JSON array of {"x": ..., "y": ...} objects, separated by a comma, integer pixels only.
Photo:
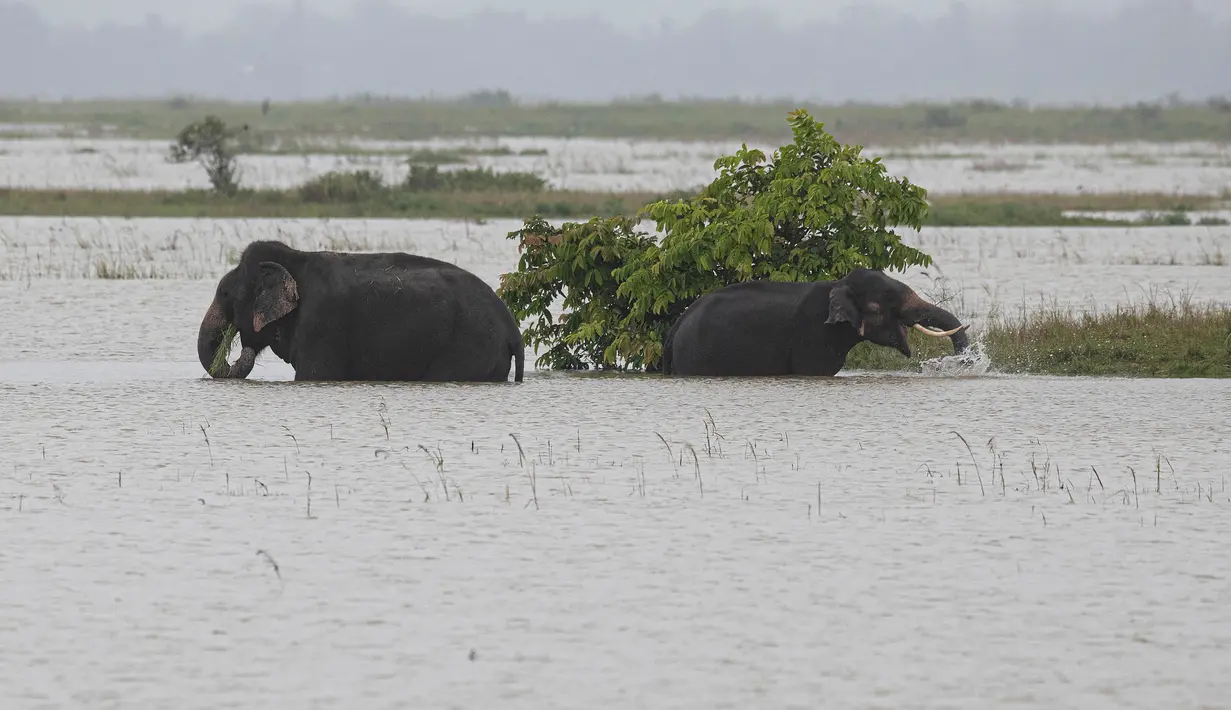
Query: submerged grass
[
  {"x": 345, "y": 195},
  {"x": 651, "y": 117},
  {"x": 1049, "y": 209},
  {"x": 1173, "y": 339}
]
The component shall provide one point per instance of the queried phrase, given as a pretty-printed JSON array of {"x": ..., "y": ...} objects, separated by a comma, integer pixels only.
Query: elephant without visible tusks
[
  {"x": 800, "y": 328},
  {"x": 344, "y": 316}
]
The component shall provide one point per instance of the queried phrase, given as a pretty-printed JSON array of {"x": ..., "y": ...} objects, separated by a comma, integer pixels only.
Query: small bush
[
  {"x": 428, "y": 178},
  {"x": 338, "y": 186}
]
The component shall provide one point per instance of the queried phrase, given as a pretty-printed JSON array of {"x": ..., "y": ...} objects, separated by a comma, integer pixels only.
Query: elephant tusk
[{"x": 938, "y": 333}]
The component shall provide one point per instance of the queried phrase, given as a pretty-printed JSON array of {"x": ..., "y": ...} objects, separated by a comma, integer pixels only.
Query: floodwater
[
  {"x": 172, "y": 541},
  {"x": 135, "y": 289},
  {"x": 580, "y": 540},
  {"x": 628, "y": 165}
]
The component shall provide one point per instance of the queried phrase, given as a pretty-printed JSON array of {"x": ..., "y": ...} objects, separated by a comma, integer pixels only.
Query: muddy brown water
[{"x": 174, "y": 540}]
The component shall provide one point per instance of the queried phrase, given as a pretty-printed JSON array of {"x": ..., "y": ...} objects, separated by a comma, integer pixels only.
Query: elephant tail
[{"x": 519, "y": 353}]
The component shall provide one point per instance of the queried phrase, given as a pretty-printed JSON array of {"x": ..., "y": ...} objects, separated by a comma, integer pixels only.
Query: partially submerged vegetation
[
  {"x": 1152, "y": 339},
  {"x": 649, "y": 117},
  {"x": 1053, "y": 209},
  {"x": 364, "y": 193},
  {"x": 337, "y": 197}
]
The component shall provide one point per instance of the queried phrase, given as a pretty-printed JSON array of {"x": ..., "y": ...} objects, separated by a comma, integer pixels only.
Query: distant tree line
[{"x": 1036, "y": 53}]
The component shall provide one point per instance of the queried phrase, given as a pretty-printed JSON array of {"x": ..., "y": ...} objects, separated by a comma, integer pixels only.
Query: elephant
[
  {"x": 764, "y": 327},
  {"x": 361, "y": 316}
]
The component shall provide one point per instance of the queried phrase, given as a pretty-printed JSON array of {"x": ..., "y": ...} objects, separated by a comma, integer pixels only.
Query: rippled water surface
[
  {"x": 597, "y": 541},
  {"x": 175, "y": 541}
]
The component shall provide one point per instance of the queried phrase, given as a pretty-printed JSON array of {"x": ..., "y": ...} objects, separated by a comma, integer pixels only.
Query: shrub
[
  {"x": 429, "y": 178},
  {"x": 577, "y": 262},
  {"x": 338, "y": 186},
  {"x": 817, "y": 211}
]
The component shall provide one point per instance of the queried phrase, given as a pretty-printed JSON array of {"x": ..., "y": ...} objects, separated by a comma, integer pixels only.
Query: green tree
[
  {"x": 816, "y": 211},
  {"x": 211, "y": 143}
]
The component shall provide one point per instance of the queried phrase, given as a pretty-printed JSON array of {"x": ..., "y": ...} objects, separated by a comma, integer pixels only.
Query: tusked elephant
[
  {"x": 361, "y": 316},
  {"x": 799, "y": 328}
]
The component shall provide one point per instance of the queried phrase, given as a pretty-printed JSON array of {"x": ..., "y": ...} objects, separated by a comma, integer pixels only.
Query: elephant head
[
  {"x": 258, "y": 297},
  {"x": 882, "y": 309}
]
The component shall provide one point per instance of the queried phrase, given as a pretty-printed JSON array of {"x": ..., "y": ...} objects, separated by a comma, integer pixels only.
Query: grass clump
[
  {"x": 1178, "y": 339},
  {"x": 427, "y": 178},
  {"x": 219, "y": 365},
  {"x": 1049, "y": 210},
  {"x": 369, "y": 186},
  {"x": 343, "y": 186}
]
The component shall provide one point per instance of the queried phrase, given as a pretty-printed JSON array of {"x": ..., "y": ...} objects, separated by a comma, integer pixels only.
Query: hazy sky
[
  {"x": 1055, "y": 51},
  {"x": 209, "y": 14}
]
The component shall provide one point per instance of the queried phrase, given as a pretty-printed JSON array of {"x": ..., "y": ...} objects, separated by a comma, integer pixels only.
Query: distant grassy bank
[
  {"x": 907, "y": 124},
  {"x": 1153, "y": 340},
  {"x": 342, "y": 198},
  {"x": 288, "y": 204},
  {"x": 1049, "y": 210}
]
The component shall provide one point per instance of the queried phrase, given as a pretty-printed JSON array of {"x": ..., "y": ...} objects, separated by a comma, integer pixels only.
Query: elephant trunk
[
  {"x": 209, "y": 338},
  {"x": 934, "y": 318}
]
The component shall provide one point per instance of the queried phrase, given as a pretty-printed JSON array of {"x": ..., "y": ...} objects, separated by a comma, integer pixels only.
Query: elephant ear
[
  {"x": 842, "y": 308},
  {"x": 276, "y": 295}
]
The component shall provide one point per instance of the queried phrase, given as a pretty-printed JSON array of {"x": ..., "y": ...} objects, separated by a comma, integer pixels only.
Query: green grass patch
[
  {"x": 1048, "y": 210},
  {"x": 219, "y": 364},
  {"x": 342, "y": 199},
  {"x": 408, "y": 119},
  {"x": 480, "y": 193},
  {"x": 1177, "y": 339}
]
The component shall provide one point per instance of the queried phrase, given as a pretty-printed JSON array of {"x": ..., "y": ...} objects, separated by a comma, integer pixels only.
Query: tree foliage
[
  {"x": 211, "y": 143},
  {"x": 816, "y": 211}
]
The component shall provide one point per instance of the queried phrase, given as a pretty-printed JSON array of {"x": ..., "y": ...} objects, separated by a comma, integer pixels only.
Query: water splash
[{"x": 972, "y": 363}]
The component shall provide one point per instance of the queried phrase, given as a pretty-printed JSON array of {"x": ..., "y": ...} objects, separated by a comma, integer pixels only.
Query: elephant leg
[
  {"x": 817, "y": 364},
  {"x": 322, "y": 363},
  {"x": 821, "y": 352}
]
